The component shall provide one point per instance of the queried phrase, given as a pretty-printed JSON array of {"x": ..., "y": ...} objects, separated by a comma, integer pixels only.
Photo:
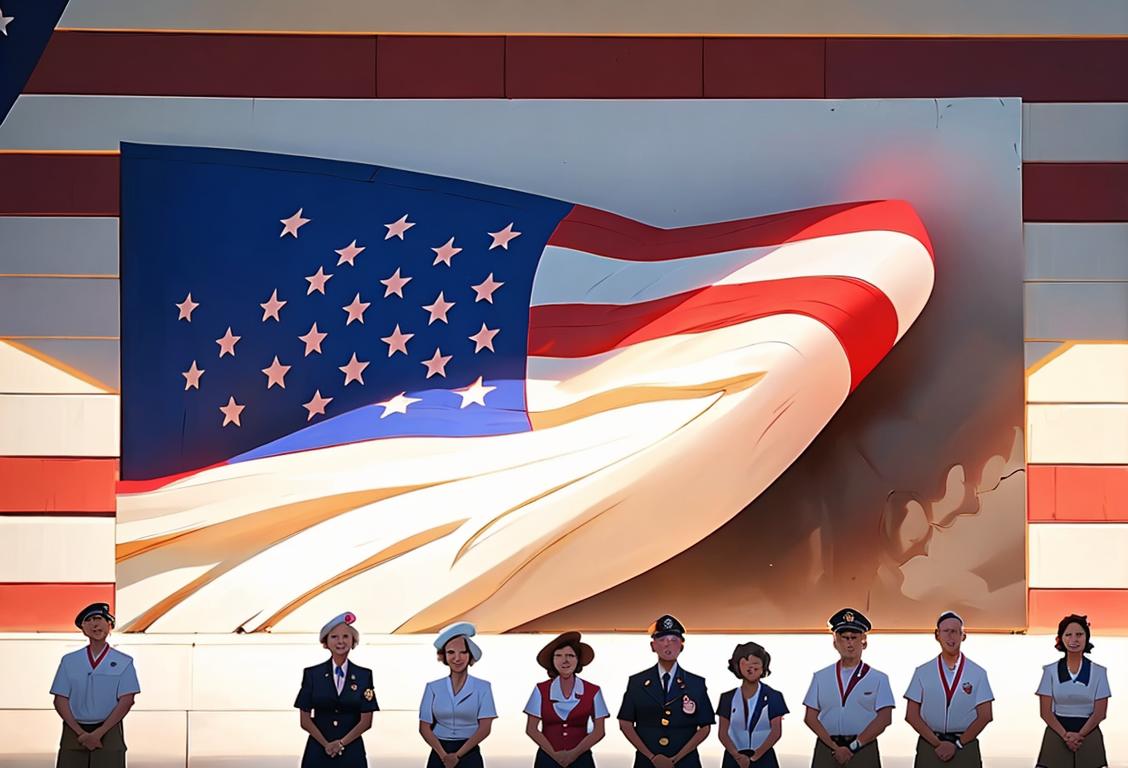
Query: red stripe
[
  {"x": 36, "y": 184},
  {"x": 1077, "y": 494},
  {"x": 765, "y": 68},
  {"x": 1036, "y": 70},
  {"x": 429, "y": 67},
  {"x": 195, "y": 64},
  {"x": 606, "y": 234},
  {"x": 860, "y": 315},
  {"x": 1107, "y": 609},
  {"x": 1075, "y": 191},
  {"x": 48, "y": 607},
  {"x": 64, "y": 486}
]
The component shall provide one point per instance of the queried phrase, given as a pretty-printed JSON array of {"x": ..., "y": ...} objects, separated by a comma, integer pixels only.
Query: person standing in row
[
  {"x": 751, "y": 716},
  {"x": 566, "y": 713},
  {"x": 336, "y": 701},
  {"x": 1073, "y": 696},
  {"x": 94, "y": 690},
  {"x": 457, "y": 711},
  {"x": 849, "y": 704},
  {"x": 666, "y": 712},
  {"x": 949, "y": 702}
]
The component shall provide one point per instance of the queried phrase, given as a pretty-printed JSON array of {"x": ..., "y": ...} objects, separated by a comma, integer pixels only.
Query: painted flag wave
[{"x": 432, "y": 398}]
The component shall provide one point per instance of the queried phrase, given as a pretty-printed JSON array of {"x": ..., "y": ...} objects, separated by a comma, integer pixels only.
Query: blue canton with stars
[{"x": 210, "y": 236}]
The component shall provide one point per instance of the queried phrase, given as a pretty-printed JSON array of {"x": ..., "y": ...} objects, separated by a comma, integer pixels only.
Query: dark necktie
[{"x": 665, "y": 682}]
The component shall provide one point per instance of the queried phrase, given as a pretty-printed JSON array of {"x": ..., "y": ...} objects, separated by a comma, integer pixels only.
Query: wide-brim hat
[
  {"x": 586, "y": 652},
  {"x": 465, "y": 629}
]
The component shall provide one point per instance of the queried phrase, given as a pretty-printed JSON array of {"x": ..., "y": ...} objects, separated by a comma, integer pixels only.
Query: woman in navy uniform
[
  {"x": 336, "y": 701},
  {"x": 751, "y": 716},
  {"x": 457, "y": 711},
  {"x": 564, "y": 706},
  {"x": 666, "y": 711},
  {"x": 1074, "y": 695}
]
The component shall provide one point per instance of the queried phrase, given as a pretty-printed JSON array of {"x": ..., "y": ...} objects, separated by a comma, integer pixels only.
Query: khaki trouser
[
  {"x": 968, "y": 757},
  {"x": 74, "y": 755},
  {"x": 866, "y": 757},
  {"x": 1054, "y": 753}
]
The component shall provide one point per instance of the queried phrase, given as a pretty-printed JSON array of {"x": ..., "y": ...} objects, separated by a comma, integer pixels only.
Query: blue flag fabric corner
[
  {"x": 275, "y": 303},
  {"x": 25, "y": 28}
]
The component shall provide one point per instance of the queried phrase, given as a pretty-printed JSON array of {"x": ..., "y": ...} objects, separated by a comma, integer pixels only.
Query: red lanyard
[
  {"x": 94, "y": 662},
  {"x": 949, "y": 692},
  {"x": 859, "y": 673}
]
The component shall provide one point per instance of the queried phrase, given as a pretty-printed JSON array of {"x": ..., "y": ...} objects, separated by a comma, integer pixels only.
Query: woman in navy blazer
[{"x": 336, "y": 701}]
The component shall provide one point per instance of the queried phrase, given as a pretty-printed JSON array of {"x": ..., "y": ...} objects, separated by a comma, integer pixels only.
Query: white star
[
  {"x": 356, "y": 310},
  {"x": 398, "y": 227},
  {"x": 475, "y": 394},
  {"x": 439, "y": 309},
  {"x": 485, "y": 289},
  {"x": 483, "y": 339},
  {"x": 186, "y": 307},
  {"x": 4, "y": 22},
  {"x": 353, "y": 370},
  {"x": 395, "y": 284},
  {"x": 291, "y": 225},
  {"x": 445, "y": 252},
  {"x": 348, "y": 253},
  {"x": 271, "y": 307},
  {"x": 192, "y": 377},
  {"x": 397, "y": 342},
  {"x": 231, "y": 412},
  {"x": 397, "y": 404},
  {"x": 317, "y": 281},
  {"x": 502, "y": 237},
  {"x": 313, "y": 340},
  {"x": 437, "y": 364},
  {"x": 316, "y": 405},
  {"x": 227, "y": 343},
  {"x": 276, "y": 374}
]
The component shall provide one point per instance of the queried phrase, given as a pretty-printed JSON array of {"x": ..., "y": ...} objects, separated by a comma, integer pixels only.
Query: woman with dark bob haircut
[
  {"x": 561, "y": 708},
  {"x": 457, "y": 711},
  {"x": 1073, "y": 696},
  {"x": 751, "y": 716}
]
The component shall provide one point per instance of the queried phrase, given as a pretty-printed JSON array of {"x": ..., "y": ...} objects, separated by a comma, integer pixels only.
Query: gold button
[
  {"x": 667, "y": 712},
  {"x": 663, "y": 742},
  {"x": 665, "y": 721}
]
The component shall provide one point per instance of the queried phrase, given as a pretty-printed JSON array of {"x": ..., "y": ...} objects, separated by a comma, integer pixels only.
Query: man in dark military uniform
[{"x": 666, "y": 711}]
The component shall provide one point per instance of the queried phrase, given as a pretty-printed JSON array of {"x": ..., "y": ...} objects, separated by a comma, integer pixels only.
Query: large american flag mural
[{"x": 427, "y": 397}]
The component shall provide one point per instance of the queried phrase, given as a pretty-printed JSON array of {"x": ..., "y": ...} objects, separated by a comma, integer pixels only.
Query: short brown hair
[{"x": 743, "y": 651}]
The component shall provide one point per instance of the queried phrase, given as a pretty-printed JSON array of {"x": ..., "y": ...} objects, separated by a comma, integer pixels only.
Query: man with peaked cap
[
  {"x": 94, "y": 690},
  {"x": 849, "y": 704},
  {"x": 336, "y": 700},
  {"x": 666, "y": 712},
  {"x": 949, "y": 702}
]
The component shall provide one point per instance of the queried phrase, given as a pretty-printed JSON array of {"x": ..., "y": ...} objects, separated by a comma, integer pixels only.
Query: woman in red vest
[{"x": 566, "y": 713}]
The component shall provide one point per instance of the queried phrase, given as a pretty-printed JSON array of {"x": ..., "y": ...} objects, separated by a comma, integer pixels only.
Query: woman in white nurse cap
[
  {"x": 458, "y": 710},
  {"x": 336, "y": 701}
]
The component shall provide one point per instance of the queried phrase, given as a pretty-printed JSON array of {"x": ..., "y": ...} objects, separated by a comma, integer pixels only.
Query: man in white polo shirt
[
  {"x": 849, "y": 704},
  {"x": 949, "y": 702}
]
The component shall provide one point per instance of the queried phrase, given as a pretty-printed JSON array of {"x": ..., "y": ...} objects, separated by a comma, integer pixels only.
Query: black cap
[
  {"x": 849, "y": 620},
  {"x": 666, "y": 625},
  {"x": 94, "y": 609}
]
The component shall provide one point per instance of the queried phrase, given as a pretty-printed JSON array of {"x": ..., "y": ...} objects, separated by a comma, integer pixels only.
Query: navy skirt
[
  {"x": 472, "y": 759},
  {"x": 586, "y": 760},
  {"x": 767, "y": 761}
]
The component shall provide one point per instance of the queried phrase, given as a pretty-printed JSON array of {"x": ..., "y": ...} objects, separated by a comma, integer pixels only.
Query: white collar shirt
[
  {"x": 869, "y": 695},
  {"x": 969, "y": 688}
]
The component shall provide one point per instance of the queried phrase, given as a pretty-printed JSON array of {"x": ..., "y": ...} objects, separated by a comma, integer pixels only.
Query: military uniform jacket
[
  {"x": 660, "y": 718},
  {"x": 335, "y": 715}
]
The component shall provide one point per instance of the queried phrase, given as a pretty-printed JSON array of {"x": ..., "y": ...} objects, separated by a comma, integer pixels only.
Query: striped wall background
[{"x": 58, "y": 231}]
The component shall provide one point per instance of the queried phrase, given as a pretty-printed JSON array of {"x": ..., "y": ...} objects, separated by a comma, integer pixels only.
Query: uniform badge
[
  {"x": 667, "y": 623},
  {"x": 688, "y": 705},
  {"x": 353, "y": 686},
  {"x": 369, "y": 694},
  {"x": 113, "y": 663},
  {"x": 646, "y": 683},
  {"x": 848, "y": 617},
  {"x": 967, "y": 688}
]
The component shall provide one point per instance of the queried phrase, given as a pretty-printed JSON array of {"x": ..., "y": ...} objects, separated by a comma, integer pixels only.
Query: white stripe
[
  {"x": 1077, "y": 434},
  {"x": 22, "y": 373},
  {"x": 897, "y": 264},
  {"x": 1084, "y": 373},
  {"x": 1061, "y": 251},
  {"x": 723, "y": 17},
  {"x": 1100, "y": 546},
  {"x": 49, "y": 548},
  {"x": 1075, "y": 133},
  {"x": 59, "y": 425}
]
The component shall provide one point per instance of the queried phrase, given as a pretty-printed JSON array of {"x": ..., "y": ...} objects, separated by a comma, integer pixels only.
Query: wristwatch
[
  {"x": 855, "y": 745},
  {"x": 959, "y": 744}
]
